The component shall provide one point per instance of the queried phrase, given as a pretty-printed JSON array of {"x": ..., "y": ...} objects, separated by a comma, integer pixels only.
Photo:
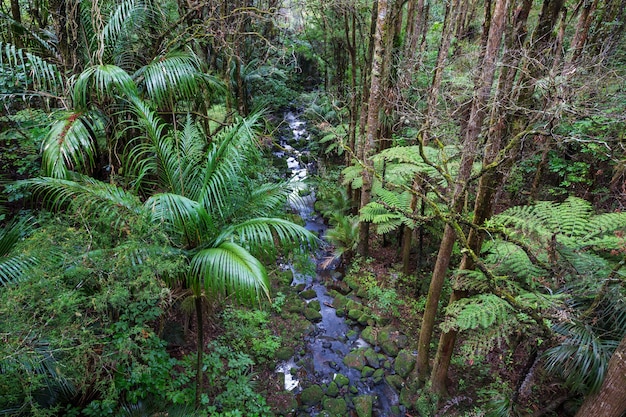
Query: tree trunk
[
  {"x": 432, "y": 101},
  {"x": 16, "y": 26},
  {"x": 474, "y": 125},
  {"x": 610, "y": 401},
  {"x": 372, "y": 120}
]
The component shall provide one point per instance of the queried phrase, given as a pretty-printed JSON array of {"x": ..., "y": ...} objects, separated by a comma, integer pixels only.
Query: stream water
[{"x": 331, "y": 338}]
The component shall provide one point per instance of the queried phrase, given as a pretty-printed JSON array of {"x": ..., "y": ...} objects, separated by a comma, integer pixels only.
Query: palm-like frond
[
  {"x": 86, "y": 194},
  {"x": 14, "y": 266},
  {"x": 582, "y": 357},
  {"x": 180, "y": 216},
  {"x": 42, "y": 76},
  {"x": 262, "y": 233},
  {"x": 100, "y": 82},
  {"x": 170, "y": 78},
  {"x": 224, "y": 160},
  {"x": 71, "y": 144},
  {"x": 344, "y": 235},
  {"x": 262, "y": 200},
  {"x": 229, "y": 269}
]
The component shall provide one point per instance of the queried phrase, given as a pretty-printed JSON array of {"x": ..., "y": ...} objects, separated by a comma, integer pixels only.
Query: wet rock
[
  {"x": 311, "y": 395},
  {"x": 308, "y": 294},
  {"x": 284, "y": 353},
  {"x": 369, "y": 335},
  {"x": 312, "y": 314},
  {"x": 387, "y": 340},
  {"x": 363, "y": 405},
  {"x": 395, "y": 381},
  {"x": 372, "y": 358},
  {"x": 327, "y": 345},
  {"x": 367, "y": 371},
  {"x": 355, "y": 359},
  {"x": 337, "y": 407},
  {"x": 405, "y": 362},
  {"x": 341, "y": 380},
  {"x": 340, "y": 287},
  {"x": 333, "y": 389},
  {"x": 378, "y": 376}
]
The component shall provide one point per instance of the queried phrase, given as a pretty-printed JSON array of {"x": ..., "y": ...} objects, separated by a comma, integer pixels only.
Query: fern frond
[
  {"x": 353, "y": 176},
  {"x": 482, "y": 310}
]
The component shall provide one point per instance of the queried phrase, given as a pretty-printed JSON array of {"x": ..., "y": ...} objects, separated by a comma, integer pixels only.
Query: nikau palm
[{"x": 205, "y": 205}]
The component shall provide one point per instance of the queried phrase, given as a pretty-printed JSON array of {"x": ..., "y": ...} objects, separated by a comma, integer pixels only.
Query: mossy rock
[
  {"x": 333, "y": 389},
  {"x": 363, "y": 405},
  {"x": 284, "y": 353},
  {"x": 354, "y": 314},
  {"x": 285, "y": 277},
  {"x": 312, "y": 314},
  {"x": 315, "y": 304},
  {"x": 408, "y": 396},
  {"x": 378, "y": 376},
  {"x": 340, "y": 312},
  {"x": 395, "y": 381},
  {"x": 300, "y": 287},
  {"x": 369, "y": 335},
  {"x": 312, "y": 395},
  {"x": 365, "y": 319},
  {"x": 355, "y": 359},
  {"x": 340, "y": 287},
  {"x": 352, "y": 282},
  {"x": 337, "y": 407},
  {"x": 387, "y": 337},
  {"x": 308, "y": 294},
  {"x": 367, "y": 371},
  {"x": 341, "y": 380},
  {"x": 294, "y": 305},
  {"x": 372, "y": 358},
  {"x": 404, "y": 363}
]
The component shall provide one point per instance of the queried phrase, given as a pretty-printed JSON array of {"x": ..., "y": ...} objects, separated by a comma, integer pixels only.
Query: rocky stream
[{"x": 353, "y": 362}]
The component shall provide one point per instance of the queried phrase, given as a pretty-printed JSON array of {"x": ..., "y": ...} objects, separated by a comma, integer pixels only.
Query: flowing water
[{"x": 330, "y": 339}]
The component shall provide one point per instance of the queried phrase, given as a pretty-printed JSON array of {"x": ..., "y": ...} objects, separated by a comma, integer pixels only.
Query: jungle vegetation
[{"x": 481, "y": 143}]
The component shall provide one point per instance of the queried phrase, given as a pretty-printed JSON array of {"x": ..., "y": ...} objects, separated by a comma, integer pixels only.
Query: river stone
[
  {"x": 387, "y": 337},
  {"x": 300, "y": 287},
  {"x": 395, "y": 381},
  {"x": 332, "y": 390},
  {"x": 402, "y": 341},
  {"x": 363, "y": 405},
  {"x": 341, "y": 380},
  {"x": 337, "y": 407},
  {"x": 404, "y": 364},
  {"x": 315, "y": 304},
  {"x": 312, "y": 314},
  {"x": 367, "y": 371},
  {"x": 340, "y": 287},
  {"x": 365, "y": 319},
  {"x": 354, "y": 314},
  {"x": 369, "y": 335},
  {"x": 378, "y": 376},
  {"x": 308, "y": 294},
  {"x": 311, "y": 395},
  {"x": 372, "y": 358},
  {"x": 355, "y": 359},
  {"x": 284, "y": 353}
]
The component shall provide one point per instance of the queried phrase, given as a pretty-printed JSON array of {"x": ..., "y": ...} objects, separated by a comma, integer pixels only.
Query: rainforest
[{"x": 362, "y": 208}]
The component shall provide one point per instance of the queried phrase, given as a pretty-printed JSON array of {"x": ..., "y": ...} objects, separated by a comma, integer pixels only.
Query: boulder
[
  {"x": 404, "y": 363},
  {"x": 312, "y": 395},
  {"x": 363, "y": 405},
  {"x": 355, "y": 359},
  {"x": 336, "y": 407}
]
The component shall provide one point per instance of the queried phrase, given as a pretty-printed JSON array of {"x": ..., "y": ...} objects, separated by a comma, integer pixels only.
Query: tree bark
[
  {"x": 610, "y": 401},
  {"x": 199, "y": 348},
  {"x": 474, "y": 125},
  {"x": 372, "y": 120}
]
